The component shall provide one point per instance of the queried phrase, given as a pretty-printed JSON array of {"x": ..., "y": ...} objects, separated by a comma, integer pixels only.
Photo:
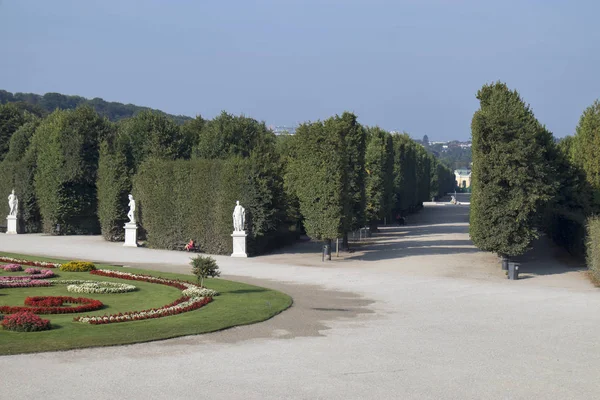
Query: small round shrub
[
  {"x": 12, "y": 267},
  {"x": 78, "y": 266},
  {"x": 25, "y": 321}
]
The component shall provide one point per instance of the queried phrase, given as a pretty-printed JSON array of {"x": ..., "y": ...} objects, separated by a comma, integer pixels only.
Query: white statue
[
  {"x": 131, "y": 213},
  {"x": 239, "y": 216},
  {"x": 13, "y": 204}
]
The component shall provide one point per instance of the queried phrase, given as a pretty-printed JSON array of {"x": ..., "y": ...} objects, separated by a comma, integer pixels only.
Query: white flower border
[
  {"x": 142, "y": 314},
  {"x": 103, "y": 287}
]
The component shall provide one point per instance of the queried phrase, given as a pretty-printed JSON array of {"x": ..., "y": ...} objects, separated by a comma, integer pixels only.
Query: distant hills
[{"x": 43, "y": 104}]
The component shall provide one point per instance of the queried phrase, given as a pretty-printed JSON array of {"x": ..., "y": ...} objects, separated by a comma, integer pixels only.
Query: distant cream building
[{"x": 463, "y": 177}]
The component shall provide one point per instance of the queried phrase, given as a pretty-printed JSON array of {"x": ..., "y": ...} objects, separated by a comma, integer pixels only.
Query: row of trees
[
  {"x": 525, "y": 182},
  {"x": 73, "y": 170},
  {"x": 47, "y": 103}
]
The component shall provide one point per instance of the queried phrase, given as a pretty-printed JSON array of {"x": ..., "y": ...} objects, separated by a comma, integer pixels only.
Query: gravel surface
[{"x": 415, "y": 312}]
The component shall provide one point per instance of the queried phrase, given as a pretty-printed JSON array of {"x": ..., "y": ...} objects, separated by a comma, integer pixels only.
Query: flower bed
[
  {"x": 25, "y": 321},
  {"x": 199, "y": 292},
  {"x": 12, "y": 267},
  {"x": 86, "y": 286},
  {"x": 44, "y": 301},
  {"x": 24, "y": 283},
  {"x": 193, "y": 298},
  {"x": 191, "y": 289},
  {"x": 42, "y": 264},
  {"x": 86, "y": 305},
  {"x": 43, "y": 274},
  {"x": 33, "y": 271},
  {"x": 179, "y": 306},
  {"x": 78, "y": 266}
]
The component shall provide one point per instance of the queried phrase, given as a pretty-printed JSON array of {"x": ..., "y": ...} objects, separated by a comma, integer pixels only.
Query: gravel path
[{"x": 415, "y": 312}]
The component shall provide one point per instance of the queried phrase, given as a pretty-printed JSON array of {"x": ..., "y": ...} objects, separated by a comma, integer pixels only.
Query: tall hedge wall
[
  {"x": 593, "y": 248},
  {"x": 194, "y": 199}
]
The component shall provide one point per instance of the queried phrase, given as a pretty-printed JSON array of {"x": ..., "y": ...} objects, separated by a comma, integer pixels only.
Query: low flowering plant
[
  {"x": 23, "y": 283},
  {"x": 44, "y": 301},
  {"x": 86, "y": 305},
  {"x": 43, "y": 274},
  {"x": 32, "y": 271},
  {"x": 43, "y": 264},
  {"x": 12, "y": 267},
  {"x": 100, "y": 287},
  {"x": 25, "y": 321},
  {"x": 78, "y": 266},
  {"x": 181, "y": 305}
]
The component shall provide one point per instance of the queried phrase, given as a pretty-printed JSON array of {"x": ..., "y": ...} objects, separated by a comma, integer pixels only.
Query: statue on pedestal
[
  {"x": 131, "y": 213},
  {"x": 239, "y": 216},
  {"x": 13, "y": 204}
]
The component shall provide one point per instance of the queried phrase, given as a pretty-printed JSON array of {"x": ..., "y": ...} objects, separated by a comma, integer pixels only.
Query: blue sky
[{"x": 411, "y": 65}]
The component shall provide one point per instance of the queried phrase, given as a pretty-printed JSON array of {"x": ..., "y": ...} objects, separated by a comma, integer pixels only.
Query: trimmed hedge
[
  {"x": 194, "y": 199},
  {"x": 593, "y": 248}
]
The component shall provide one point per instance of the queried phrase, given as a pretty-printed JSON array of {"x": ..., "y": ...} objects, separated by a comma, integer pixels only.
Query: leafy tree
[
  {"x": 204, "y": 267},
  {"x": 425, "y": 140},
  {"x": 228, "y": 135},
  {"x": 114, "y": 185},
  {"x": 586, "y": 147},
  {"x": 379, "y": 176},
  {"x": 67, "y": 152},
  {"x": 11, "y": 118},
  {"x": 151, "y": 134},
  {"x": 513, "y": 176},
  {"x": 41, "y": 105},
  {"x": 317, "y": 175},
  {"x": 405, "y": 174},
  {"x": 354, "y": 136},
  {"x": 17, "y": 172}
]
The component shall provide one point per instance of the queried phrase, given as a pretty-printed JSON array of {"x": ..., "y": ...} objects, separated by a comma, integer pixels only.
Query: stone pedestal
[
  {"x": 130, "y": 235},
  {"x": 239, "y": 244},
  {"x": 11, "y": 225}
]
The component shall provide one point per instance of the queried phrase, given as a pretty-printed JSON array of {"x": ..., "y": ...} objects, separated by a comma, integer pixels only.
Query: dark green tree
[
  {"x": 229, "y": 135},
  {"x": 513, "y": 178},
  {"x": 318, "y": 177},
  {"x": 585, "y": 149},
  {"x": 11, "y": 119},
  {"x": 379, "y": 176},
  {"x": 204, "y": 267},
  {"x": 67, "y": 152},
  {"x": 354, "y": 136}
]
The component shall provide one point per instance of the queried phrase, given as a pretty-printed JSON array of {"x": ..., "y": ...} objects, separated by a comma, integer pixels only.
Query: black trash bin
[{"x": 513, "y": 271}]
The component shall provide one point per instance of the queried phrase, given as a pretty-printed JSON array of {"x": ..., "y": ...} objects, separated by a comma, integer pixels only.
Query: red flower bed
[
  {"x": 44, "y": 301},
  {"x": 25, "y": 321},
  {"x": 86, "y": 306}
]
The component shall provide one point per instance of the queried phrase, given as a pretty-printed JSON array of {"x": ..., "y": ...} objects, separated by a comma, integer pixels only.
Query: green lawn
[{"x": 237, "y": 304}]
